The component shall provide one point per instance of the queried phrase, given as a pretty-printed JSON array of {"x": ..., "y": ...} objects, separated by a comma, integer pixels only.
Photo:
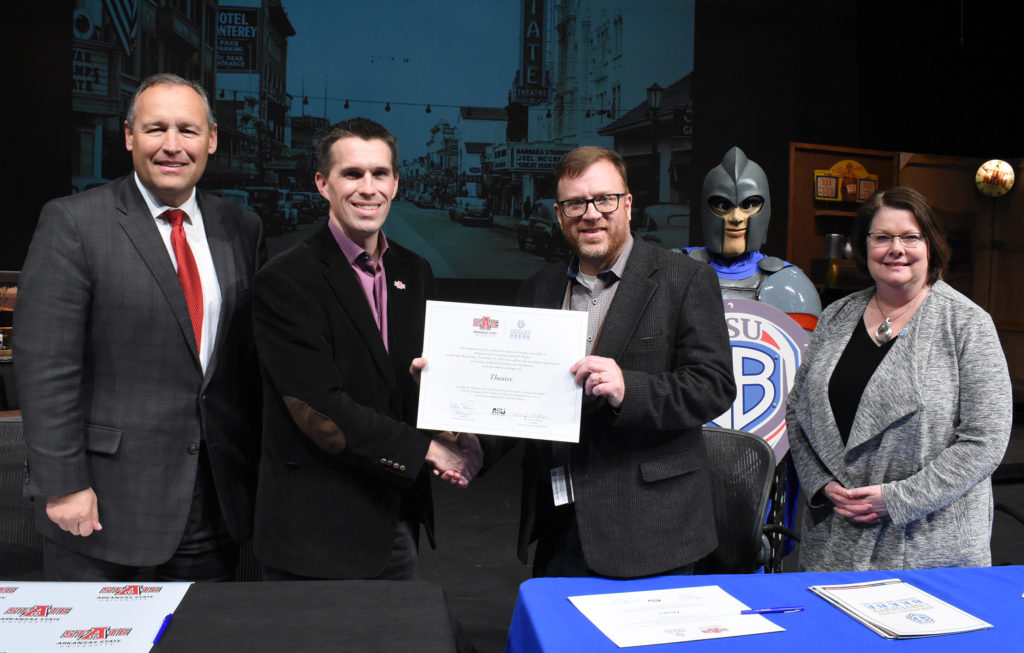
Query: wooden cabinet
[
  {"x": 986, "y": 234},
  {"x": 987, "y": 238},
  {"x": 811, "y": 220}
]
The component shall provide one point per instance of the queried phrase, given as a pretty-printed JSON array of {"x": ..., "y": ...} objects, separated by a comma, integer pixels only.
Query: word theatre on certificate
[{"x": 502, "y": 370}]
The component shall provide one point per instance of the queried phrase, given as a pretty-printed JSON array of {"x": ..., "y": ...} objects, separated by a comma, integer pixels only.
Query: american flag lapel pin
[{"x": 400, "y": 285}]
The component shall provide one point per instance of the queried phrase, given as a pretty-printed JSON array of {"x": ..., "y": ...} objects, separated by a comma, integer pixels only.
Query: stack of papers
[{"x": 898, "y": 610}]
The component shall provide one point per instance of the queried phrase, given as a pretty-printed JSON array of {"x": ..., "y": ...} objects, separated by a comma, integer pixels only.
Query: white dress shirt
[{"x": 195, "y": 233}]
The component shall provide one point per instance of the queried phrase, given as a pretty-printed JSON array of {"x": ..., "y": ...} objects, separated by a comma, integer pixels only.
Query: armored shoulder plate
[
  {"x": 790, "y": 291},
  {"x": 700, "y": 254},
  {"x": 771, "y": 264}
]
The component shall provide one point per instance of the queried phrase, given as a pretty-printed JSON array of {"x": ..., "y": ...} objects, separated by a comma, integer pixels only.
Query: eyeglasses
[
  {"x": 574, "y": 208},
  {"x": 910, "y": 240}
]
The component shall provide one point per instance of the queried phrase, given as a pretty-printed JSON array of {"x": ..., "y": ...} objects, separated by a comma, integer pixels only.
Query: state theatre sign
[
  {"x": 531, "y": 85},
  {"x": 767, "y": 347}
]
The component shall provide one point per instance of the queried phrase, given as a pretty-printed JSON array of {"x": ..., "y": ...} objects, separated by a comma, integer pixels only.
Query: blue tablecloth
[{"x": 545, "y": 620}]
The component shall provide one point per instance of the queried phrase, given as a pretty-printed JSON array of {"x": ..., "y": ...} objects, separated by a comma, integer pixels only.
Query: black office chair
[
  {"x": 775, "y": 531},
  {"x": 742, "y": 469},
  {"x": 21, "y": 546}
]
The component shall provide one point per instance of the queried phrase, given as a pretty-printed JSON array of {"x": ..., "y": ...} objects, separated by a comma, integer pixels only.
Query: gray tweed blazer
[
  {"x": 642, "y": 497},
  {"x": 931, "y": 427}
]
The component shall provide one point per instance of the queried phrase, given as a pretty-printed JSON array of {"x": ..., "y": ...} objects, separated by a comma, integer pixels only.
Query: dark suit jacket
[
  {"x": 642, "y": 497},
  {"x": 342, "y": 461},
  {"x": 111, "y": 389}
]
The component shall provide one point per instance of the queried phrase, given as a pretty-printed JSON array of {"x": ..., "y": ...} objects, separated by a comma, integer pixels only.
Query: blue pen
[
  {"x": 163, "y": 628},
  {"x": 784, "y": 608}
]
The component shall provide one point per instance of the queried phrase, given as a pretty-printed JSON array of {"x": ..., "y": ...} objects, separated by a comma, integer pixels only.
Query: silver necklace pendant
[{"x": 884, "y": 331}]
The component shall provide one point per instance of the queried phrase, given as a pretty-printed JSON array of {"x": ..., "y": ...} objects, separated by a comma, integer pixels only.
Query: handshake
[{"x": 455, "y": 457}]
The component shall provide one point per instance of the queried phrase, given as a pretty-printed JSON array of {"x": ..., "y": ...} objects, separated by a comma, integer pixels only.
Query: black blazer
[
  {"x": 112, "y": 393},
  {"x": 342, "y": 461},
  {"x": 642, "y": 497}
]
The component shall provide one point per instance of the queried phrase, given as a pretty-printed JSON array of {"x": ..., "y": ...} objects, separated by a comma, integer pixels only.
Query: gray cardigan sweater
[{"x": 931, "y": 427}]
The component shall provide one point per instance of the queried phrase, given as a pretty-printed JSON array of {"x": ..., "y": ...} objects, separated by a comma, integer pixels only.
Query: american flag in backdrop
[{"x": 124, "y": 15}]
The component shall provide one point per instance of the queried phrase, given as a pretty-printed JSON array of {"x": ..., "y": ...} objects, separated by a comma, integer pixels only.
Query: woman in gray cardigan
[{"x": 901, "y": 409}]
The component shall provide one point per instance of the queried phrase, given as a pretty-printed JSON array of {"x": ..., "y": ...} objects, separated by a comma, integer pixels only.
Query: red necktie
[{"x": 188, "y": 272}]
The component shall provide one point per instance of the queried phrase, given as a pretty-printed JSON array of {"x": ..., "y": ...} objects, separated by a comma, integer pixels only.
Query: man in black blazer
[
  {"x": 632, "y": 498},
  {"x": 140, "y": 411},
  {"x": 344, "y": 476}
]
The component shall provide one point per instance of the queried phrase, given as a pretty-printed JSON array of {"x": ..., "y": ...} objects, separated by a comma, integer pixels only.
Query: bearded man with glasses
[{"x": 632, "y": 498}]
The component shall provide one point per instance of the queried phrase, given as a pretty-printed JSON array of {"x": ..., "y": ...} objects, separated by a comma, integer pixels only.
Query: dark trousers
[
  {"x": 401, "y": 565},
  {"x": 560, "y": 551},
  {"x": 206, "y": 552}
]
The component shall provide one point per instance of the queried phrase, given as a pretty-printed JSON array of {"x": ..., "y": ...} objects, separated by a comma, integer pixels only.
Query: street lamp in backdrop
[{"x": 654, "y": 93}]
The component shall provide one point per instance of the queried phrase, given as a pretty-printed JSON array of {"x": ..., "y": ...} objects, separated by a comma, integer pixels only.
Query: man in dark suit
[
  {"x": 344, "y": 481},
  {"x": 135, "y": 360},
  {"x": 632, "y": 498}
]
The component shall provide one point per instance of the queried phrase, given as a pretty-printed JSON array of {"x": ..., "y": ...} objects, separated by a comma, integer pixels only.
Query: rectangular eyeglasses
[
  {"x": 574, "y": 208},
  {"x": 910, "y": 240}
]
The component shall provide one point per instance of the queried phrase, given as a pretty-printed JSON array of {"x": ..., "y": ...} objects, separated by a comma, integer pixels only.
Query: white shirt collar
[{"x": 157, "y": 208}]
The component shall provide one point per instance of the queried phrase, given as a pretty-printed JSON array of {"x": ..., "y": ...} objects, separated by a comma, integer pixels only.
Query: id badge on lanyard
[{"x": 561, "y": 486}]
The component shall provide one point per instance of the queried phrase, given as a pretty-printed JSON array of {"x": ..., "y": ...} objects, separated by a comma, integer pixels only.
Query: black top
[
  {"x": 858, "y": 363},
  {"x": 288, "y": 616}
]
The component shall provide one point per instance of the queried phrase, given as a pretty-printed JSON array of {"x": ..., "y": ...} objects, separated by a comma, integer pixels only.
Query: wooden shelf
[
  {"x": 811, "y": 219},
  {"x": 838, "y": 274},
  {"x": 834, "y": 213},
  {"x": 986, "y": 235},
  {"x": 833, "y": 222}
]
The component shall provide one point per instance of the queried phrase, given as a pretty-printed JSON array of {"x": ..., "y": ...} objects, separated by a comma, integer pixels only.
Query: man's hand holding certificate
[{"x": 502, "y": 370}]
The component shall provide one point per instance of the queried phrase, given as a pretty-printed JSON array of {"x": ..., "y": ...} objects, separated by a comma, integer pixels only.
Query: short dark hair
[
  {"x": 576, "y": 161},
  {"x": 168, "y": 79},
  {"x": 363, "y": 128},
  {"x": 902, "y": 197}
]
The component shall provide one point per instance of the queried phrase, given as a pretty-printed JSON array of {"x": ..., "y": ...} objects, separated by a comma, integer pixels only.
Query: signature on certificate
[
  {"x": 461, "y": 408},
  {"x": 530, "y": 418}
]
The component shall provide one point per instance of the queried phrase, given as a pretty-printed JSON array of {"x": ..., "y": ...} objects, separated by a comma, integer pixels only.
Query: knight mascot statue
[{"x": 734, "y": 211}]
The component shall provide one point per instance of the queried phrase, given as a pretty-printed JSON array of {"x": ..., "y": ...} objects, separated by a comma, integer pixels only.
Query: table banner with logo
[{"x": 121, "y": 617}]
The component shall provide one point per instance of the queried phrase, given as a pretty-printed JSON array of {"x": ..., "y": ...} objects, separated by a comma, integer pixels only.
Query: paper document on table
[
  {"x": 502, "y": 370},
  {"x": 898, "y": 610},
  {"x": 117, "y": 617},
  {"x": 673, "y": 615}
]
